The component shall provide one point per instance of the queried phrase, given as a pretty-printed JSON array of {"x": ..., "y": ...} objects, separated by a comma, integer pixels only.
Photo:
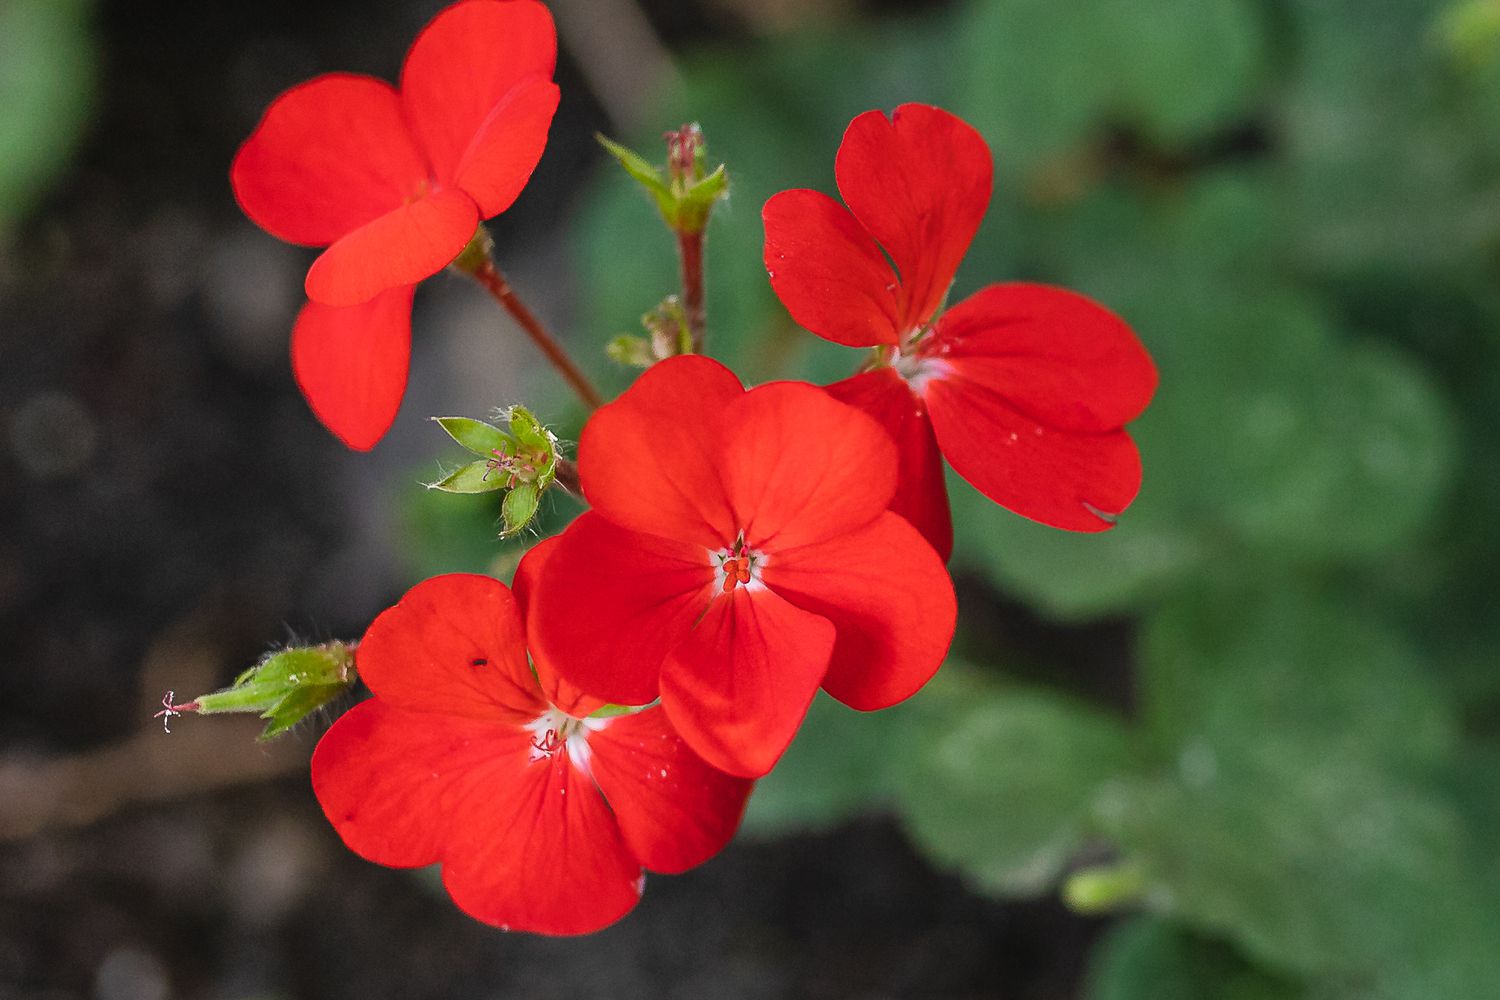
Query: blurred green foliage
[
  {"x": 1296, "y": 204},
  {"x": 46, "y": 81}
]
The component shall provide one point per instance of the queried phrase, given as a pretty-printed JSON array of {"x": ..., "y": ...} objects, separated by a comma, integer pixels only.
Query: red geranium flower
[
  {"x": 739, "y": 554},
  {"x": 395, "y": 184},
  {"x": 1024, "y": 388},
  {"x": 541, "y": 815}
]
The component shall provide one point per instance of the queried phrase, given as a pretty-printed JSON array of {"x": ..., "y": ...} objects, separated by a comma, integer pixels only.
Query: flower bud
[
  {"x": 283, "y": 688},
  {"x": 687, "y": 193}
]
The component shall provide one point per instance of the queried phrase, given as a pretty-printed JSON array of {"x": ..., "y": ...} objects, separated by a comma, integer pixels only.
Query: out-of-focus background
[{"x": 1245, "y": 746}]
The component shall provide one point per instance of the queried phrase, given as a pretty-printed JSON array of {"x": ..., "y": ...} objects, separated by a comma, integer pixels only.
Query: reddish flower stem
[
  {"x": 690, "y": 251},
  {"x": 488, "y": 275},
  {"x": 566, "y": 476}
]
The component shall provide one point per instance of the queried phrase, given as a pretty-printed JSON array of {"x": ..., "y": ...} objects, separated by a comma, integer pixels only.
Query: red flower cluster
[
  {"x": 744, "y": 547},
  {"x": 394, "y": 183},
  {"x": 1025, "y": 389}
]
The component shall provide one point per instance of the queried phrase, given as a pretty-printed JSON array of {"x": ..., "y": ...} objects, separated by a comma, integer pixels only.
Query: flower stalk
[{"x": 477, "y": 262}]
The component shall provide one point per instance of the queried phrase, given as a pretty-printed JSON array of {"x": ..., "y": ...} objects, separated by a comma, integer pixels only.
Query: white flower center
[
  {"x": 556, "y": 730},
  {"x": 918, "y": 369}
]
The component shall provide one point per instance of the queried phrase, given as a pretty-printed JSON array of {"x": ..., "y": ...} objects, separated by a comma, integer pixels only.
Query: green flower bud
[{"x": 283, "y": 688}]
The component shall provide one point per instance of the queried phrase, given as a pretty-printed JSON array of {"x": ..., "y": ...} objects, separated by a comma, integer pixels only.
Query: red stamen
[
  {"x": 549, "y": 743},
  {"x": 169, "y": 711},
  {"x": 736, "y": 572}
]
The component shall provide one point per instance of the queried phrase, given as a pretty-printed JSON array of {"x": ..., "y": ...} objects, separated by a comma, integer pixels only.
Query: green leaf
[
  {"x": 1359, "y": 471},
  {"x": 1291, "y": 672},
  {"x": 1039, "y": 78},
  {"x": 1329, "y": 868},
  {"x": 1000, "y": 784},
  {"x": 1388, "y": 164},
  {"x": 1181, "y": 70},
  {"x": 1152, "y": 959},
  {"x": 47, "y": 75},
  {"x": 1295, "y": 812},
  {"x": 476, "y": 477},
  {"x": 477, "y": 436},
  {"x": 1155, "y": 547},
  {"x": 837, "y": 768},
  {"x": 1032, "y": 78}
]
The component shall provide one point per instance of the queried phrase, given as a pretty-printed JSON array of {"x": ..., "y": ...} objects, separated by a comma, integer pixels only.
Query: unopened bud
[
  {"x": 283, "y": 688},
  {"x": 686, "y": 194}
]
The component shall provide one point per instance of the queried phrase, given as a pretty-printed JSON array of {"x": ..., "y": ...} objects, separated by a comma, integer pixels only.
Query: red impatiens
[
  {"x": 395, "y": 184},
  {"x": 1024, "y": 388},
  {"x": 542, "y": 815},
  {"x": 739, "y": 554}
]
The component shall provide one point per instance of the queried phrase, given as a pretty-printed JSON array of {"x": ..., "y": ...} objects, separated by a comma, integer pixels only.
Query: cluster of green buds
[
  {"x": 668, "y": 334},
  {"x": 523, "y": 461},
  {"x": 284, "y": 688},
  {"x": 686, "y": 192}
]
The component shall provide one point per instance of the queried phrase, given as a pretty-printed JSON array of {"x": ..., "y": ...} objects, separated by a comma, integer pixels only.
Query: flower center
[
  {"x": 918, "y": 368},
  {"x": 555, "y": 731},
  {"x": 735, "y": 566}
]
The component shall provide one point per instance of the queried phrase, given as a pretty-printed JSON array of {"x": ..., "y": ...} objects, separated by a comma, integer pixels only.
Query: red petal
[
  {"x": 650, "y": 460},
  {"x": 675, "y": 811},
  {"x": 920, "y": 183},
  {"x": 890, "y": 598},
  {"x": 921, "y": 492},
  {"x": 401, "y": 247},
  {"x": 564, "y": 695},
  {"x": 508, "y": 145},
  {"x": 463, "y": 65},
  {"x": 454, "y": 644},
  {"x": 1055, "y": 355},
  {"x": 610, "y": 603},
  {"x": 329, "y": 156},
  {"x": 828, "y": 272},
  {"x": 739, "y": 685},
  {"x": 387, "y": 779},
  {"x": 540, "y": 852},
  {"x": 800, "y": 466},
  {"x": 1067, "y": 479},
  {"x": 351, "y": 362}
]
